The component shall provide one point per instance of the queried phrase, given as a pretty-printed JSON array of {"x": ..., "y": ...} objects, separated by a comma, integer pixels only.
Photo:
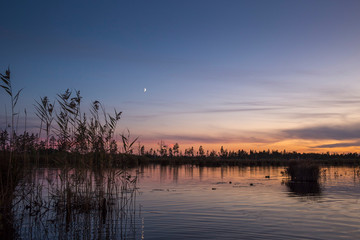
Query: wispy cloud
[
  {"x": 313, "y": 115},
  {"x": 246, "y": 109},
  {"x": 344, "y": 132},
  {"x": 206, "y": 139},
  {"x": 338, "y": 145},
  {"x": 202, "y": 111}
]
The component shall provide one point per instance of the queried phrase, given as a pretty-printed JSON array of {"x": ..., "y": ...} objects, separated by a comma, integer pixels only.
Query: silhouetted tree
[
  {"x": 213, "y": 153},
  {"x": 176, "y": 149},
  {"x": 223, "y": 153},
  {"x": 201, "y": 151},
  {"x": 163, "y": 149},
  {"x": 142, "y": 150}
]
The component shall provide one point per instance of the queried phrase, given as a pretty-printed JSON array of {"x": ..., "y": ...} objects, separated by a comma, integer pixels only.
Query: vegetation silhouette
[
  {"x": 304, "y": 178},
  {"x": 90, "y": 182},
  {"x": 303, "y": 171}
]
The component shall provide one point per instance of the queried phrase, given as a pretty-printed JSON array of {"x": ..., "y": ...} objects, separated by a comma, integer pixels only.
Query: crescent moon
[{"x": 144, "y": 89}]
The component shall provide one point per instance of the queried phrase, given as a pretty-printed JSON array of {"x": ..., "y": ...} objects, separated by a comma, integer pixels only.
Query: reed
[
  {"x": 7, "y": 86},
  {"x": 303, "y": 171},
  {"x": 91, "y": 176},
  {"x": 44, "y": 111}
]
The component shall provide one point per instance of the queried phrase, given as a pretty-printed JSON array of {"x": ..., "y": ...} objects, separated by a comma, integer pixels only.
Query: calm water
[
  {"x": 192, "y": 202},
  {"x": 227, "y": 203}
]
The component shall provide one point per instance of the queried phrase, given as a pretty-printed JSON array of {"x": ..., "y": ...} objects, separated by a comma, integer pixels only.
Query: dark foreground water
[{"x": 212, "y": 203}]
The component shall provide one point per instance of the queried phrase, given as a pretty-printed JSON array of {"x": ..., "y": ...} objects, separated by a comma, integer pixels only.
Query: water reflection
[
  {"x": 188, "y": 202},
  {"x": 304, "y": 179},
  {"x": 202, "y": 203},
  {"x": 304, "y": 188},
  {"x": 78, "y": 204}
]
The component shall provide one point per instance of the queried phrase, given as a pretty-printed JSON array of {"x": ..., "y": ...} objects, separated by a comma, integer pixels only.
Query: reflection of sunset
[{"x": 243, "y": 198}]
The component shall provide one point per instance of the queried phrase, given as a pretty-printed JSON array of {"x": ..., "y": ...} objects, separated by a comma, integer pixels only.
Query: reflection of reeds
[
  {"x": 71, "y": 202},
  {"x": 9, "y": 186}
]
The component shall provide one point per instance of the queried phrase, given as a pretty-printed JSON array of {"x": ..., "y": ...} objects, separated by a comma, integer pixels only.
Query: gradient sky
[{"x": 242, "y": 74}]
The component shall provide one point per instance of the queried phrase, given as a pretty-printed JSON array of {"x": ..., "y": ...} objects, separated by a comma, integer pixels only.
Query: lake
[{"x": 189, "y": 202}]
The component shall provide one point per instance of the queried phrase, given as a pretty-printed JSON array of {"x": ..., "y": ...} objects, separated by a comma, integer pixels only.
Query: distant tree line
[{"x": 190, "y": 152}]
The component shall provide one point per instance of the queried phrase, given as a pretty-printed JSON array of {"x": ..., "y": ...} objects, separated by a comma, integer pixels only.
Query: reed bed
[
  {"x": 87, "y": 183},
  {"x": 303, "y": 171}
]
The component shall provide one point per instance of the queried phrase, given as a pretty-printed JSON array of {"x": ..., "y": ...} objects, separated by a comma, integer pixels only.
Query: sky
[{"x": 240, "y": 74}]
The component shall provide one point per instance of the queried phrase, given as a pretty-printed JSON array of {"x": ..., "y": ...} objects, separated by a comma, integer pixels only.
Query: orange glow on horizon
[{"x": 297, "y": 145}]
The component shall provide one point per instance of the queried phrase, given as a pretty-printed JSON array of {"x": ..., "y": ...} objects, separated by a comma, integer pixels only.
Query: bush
[{"x": 303, "y": 171}]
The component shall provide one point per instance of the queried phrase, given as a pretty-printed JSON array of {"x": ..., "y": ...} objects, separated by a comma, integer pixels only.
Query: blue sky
[{"x": 243, "y": 74}]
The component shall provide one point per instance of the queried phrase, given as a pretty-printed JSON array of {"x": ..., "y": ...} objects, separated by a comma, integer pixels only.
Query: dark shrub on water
[{"x": 303, "y": 171}]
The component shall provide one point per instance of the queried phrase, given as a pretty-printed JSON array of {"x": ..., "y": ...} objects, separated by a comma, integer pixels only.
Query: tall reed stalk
[
  {"x": 10, "y": 173},
  {"x": 7, "y": 86},
  {"x": 44, "y": 111}
]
